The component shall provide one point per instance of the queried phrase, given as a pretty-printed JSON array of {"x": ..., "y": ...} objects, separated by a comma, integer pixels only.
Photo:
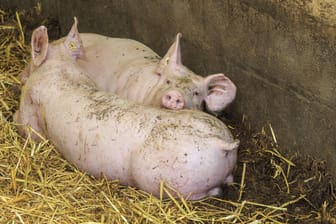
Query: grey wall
[{"x": 281, "y": 54}]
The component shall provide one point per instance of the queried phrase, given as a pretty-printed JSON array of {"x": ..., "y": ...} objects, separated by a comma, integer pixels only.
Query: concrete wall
[{"x": 281, "y": 54}]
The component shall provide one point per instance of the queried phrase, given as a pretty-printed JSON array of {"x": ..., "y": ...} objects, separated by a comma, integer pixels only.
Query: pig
[
  {"x": 132, "y": 70},
  {"x": 104, "y": 134}
]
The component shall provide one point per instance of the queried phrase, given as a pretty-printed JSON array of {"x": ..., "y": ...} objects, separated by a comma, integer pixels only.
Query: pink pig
[
  {"x": 104, "y": 134},
  {"x": 130, "y": 69}
]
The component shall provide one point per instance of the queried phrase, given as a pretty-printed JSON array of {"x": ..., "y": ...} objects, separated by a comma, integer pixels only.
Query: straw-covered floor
[{"x": 38, "y": 186}]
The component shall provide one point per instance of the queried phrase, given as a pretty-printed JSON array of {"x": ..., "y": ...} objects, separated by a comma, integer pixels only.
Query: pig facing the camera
[{"x": 130, "y": 69}]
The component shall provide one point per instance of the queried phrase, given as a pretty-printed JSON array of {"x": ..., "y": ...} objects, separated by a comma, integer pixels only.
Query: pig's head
[
  {"x": 40, "y": 48},
  {"x": 182, "y": 88}
]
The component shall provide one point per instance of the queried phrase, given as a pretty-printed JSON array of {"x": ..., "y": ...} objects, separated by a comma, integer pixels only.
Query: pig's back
[{"x": 115, "y": 51}]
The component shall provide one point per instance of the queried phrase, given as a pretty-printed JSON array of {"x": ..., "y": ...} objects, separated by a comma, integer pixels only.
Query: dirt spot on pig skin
[
  {"x": 152, "y": 59},
  {"x": 103, "y": 107}
]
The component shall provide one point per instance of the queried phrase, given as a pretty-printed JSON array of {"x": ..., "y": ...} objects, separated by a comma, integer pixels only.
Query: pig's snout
[{"x": 172, "y": 100}]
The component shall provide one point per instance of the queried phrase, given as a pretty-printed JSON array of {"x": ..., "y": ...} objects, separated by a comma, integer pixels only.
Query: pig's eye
[
  {"x": 196, "y": 93},
  {"x": 168, "y": 82}
]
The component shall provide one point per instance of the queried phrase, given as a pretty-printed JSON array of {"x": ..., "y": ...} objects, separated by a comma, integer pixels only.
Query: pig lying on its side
[{"x": 102, "y": 133}]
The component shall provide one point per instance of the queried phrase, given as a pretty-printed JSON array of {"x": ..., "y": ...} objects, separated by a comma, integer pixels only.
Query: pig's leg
[
  {"x": 218, "y": 191},
  {"x": 24, "y": 75},
  {"x": 228, "y": 179},
  {"x": 172, "y": 100},
  {"x": 215, "y": 192},
  {"x": 17, "y": 120},
  {"x": 27, "y": 116}
]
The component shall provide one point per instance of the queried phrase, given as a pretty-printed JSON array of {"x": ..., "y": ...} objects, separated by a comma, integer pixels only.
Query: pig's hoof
[
  {"x": 216, "y": 192},
  {"x": 16, "y": 117},
  {"x": 172, "y": 100},
  {"x": 228, "y": 179}
]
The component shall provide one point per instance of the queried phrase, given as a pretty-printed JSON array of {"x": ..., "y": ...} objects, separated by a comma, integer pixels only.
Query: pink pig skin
[
  {"x": 102, "y": 133},
  {"x": 134, "y": 71}
]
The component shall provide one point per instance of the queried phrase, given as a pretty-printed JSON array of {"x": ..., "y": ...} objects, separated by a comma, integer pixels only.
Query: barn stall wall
[{"x": 280, "y": 54}]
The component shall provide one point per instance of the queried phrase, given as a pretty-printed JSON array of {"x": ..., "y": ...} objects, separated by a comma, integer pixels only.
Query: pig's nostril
[
  {"x": 168, "y": 97},
  {"x": 178, "y": 101}
]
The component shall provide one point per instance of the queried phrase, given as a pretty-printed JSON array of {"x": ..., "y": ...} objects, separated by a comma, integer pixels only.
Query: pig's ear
[
  {"x": 39, "y": 44},
  {"x": 73, "y": 43},
  {"x": 220, "y": 92},
  {"x": 172, "y": 57}
]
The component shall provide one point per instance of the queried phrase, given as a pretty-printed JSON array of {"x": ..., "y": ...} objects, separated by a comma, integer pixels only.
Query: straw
[{"x": 37, "y": 185}]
